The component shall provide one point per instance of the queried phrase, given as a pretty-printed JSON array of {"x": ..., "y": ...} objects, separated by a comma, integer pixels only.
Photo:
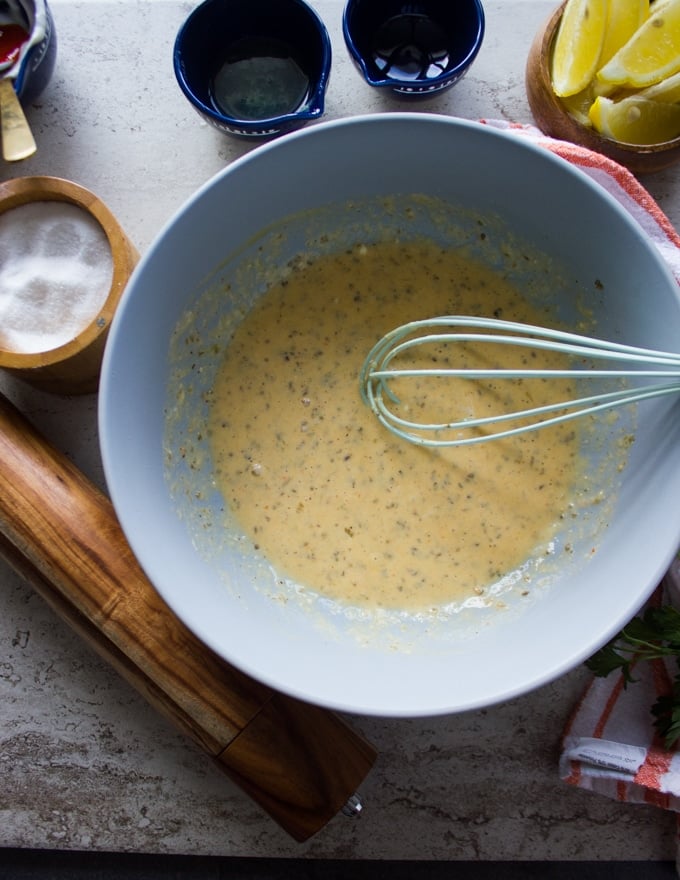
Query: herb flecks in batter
[{"x": 337, "y": 503}]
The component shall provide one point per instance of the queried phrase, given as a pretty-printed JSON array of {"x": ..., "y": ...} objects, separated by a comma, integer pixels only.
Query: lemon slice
[
  {"x": 578, "y": 44},
  {"x": 651, "y": 54},
  {"x": 623, "y": 19},
  {"x": 667, "y": 90},
  {"x": 578, "y": 105},
  {"x": 636, "y": 120}
]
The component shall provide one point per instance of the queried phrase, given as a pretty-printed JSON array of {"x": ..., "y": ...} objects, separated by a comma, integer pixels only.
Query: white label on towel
[{"x": 610, "y": 755}]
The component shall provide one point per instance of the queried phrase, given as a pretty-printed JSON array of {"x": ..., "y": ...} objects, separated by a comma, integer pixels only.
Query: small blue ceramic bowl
[
  {"x": 254, "y": 68},
  {"x": 414, "y": 49},
  {"x": 34, "y": 67}
]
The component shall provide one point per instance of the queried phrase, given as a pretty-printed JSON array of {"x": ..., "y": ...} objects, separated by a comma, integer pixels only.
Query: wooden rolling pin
[{"x": 299, "y": 762}]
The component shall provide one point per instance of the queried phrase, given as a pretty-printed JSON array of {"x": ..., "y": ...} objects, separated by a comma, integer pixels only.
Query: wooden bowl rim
[{"x": 26, "y": 190}]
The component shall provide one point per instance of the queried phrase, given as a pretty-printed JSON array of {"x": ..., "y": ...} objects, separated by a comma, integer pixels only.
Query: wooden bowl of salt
[{"x": 64, "y": 263}]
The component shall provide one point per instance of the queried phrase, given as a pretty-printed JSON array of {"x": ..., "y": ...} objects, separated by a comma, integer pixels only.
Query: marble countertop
[{"x": 85, "y": 763}]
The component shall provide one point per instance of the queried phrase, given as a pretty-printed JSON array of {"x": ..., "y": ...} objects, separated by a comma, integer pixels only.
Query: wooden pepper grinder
[{"x": 300, "y": 763}]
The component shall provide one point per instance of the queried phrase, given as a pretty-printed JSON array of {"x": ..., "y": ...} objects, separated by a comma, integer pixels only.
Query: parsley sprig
[{"x": 650, "y": 636}]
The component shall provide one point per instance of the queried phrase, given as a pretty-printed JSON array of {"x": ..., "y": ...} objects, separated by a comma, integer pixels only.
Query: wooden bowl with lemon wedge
[{"x": 636, "y": 120}]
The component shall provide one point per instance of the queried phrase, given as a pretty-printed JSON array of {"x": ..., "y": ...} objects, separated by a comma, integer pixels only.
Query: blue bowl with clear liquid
[
  {"x": 254, "y": 68},
  {"x": 413, "y": 49}
]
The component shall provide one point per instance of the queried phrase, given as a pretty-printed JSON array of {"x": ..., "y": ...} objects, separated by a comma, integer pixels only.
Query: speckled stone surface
[{"x": 85, "y": 764}]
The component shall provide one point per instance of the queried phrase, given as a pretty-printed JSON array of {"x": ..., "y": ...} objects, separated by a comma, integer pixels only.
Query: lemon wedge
[
  {"x": 623, "y": 19},
  {"x": 636, "y": 120},
  {"x": 578, "y": 105},
  {"x": 578, "y": 45},
  {"x": 651, "y": 54},
  {"x": 667, "y": 90},
  {"x": 658, "y": 5}
]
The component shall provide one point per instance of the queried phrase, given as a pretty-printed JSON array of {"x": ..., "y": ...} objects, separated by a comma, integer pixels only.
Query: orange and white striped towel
[
  {"x": 610, "y": 745},
  {"x": 618, "y": 181}
]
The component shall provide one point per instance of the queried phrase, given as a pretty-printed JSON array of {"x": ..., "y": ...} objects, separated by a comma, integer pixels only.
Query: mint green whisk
[{"x": 380, "y": 368}]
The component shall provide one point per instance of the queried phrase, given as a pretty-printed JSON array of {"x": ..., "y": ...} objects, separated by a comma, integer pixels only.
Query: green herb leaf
[
  {"x": 665, "y": 622},
  {"x": 650, "y": 636},
  {"x": 608, "y": 659},
  {"x": 666, "y": 712}
]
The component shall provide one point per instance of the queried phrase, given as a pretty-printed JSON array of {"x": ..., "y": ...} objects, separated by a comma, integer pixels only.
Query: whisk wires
[{"x": 380, "y": 369}]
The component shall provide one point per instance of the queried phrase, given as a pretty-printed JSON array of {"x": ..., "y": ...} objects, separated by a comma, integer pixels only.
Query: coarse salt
[{"x": 56, "y": 269}]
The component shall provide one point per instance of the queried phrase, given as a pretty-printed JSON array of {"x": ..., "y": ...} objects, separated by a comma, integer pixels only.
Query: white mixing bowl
[{"x": 395, "y": 665}]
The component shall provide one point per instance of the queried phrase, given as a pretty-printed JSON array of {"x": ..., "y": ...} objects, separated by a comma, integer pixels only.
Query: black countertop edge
[{"x": 23, "y": 864}]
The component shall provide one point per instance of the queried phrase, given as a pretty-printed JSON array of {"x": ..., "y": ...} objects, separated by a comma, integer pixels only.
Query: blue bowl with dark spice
[
  {"x": 413, "y": 49},
  {"x": 254, "y": 68}
]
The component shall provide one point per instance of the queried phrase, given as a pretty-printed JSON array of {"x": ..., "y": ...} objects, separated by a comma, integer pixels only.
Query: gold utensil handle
[{"x": 17, "y": 138}]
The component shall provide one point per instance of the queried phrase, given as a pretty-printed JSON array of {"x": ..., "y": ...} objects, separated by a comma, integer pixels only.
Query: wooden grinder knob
[{"x": 299, "y": 762}]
